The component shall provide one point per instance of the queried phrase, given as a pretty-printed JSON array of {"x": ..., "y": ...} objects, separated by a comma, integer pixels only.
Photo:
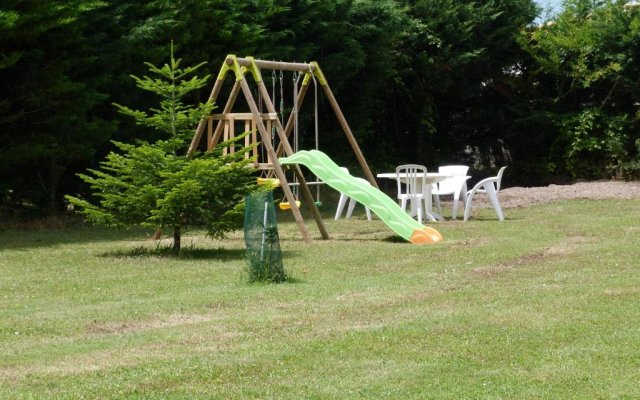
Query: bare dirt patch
[
  {"x": 173, "y": 320},
  {"x": 567, "y": 246},
  {"x": 493, "y": 270},
  {"x": 525, "y": 196}
]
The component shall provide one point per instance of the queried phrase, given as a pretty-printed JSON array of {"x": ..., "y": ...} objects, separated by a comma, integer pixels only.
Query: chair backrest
[
  {"x": 453, "y": 169},
  {"x": 499, "y": 176},
  {"x": 345, "y": 169},
  {"x": 494, "y": 180},
  {"x": 413, "y": 176},
  {"x": 451, "y": 185}
]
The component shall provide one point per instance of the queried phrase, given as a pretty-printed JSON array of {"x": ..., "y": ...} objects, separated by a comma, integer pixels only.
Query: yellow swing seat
[
  {"x": 284, "y": 205},
  {"x": 271, "y": 183}
]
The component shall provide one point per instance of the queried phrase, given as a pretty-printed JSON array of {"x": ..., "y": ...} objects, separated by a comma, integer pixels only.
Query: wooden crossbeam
[
  {"x": 242, "y": 116},
  {"x": 279, "y": 65}
]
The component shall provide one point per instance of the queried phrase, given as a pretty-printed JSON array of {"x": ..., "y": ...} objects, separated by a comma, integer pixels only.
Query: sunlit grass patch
[{"x": 542, "y": 305}]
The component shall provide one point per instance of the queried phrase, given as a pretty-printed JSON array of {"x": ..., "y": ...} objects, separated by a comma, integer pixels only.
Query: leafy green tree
[
  {"x": 362, "y": 58},
  {"x": 585, "y": 65},
  {"x": 46, "y": 126},
  {"x": 463, "y": 56},
  {"x": 156, "y": 184}
]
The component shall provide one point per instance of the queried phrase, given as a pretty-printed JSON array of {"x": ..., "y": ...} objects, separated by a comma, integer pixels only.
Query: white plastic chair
[
  {"x": 352, "y": 202},
  {"x": 412, "y": 187},
  {"x": 456, "y": 185},
  {"x": 489, "y": 186}
]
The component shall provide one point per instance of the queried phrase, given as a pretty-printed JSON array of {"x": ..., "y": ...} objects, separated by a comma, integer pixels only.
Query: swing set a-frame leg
[
  {"x": 266, "y": 141},
  {"x": 304, "y": 188}
]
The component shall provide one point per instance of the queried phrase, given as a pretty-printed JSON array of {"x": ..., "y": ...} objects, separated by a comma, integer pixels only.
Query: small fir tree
[{"x": 154, "y": 183}]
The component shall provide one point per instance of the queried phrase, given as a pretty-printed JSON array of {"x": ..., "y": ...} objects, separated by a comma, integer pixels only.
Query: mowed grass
[{"x": 545, "y": 305}]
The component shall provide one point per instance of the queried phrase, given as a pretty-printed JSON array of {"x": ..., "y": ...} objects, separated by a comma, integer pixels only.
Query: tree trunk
[{"x": 176, "y": 240}]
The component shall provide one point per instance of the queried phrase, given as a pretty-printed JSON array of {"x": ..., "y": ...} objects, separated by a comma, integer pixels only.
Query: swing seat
[
  {"x": 284, "y": 205},
  {"x": 318, "y": 204},
  {"x": 271, "y": 183}
]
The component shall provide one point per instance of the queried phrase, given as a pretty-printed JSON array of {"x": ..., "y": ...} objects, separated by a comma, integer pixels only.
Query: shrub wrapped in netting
[{"x": 261, "y": 236}]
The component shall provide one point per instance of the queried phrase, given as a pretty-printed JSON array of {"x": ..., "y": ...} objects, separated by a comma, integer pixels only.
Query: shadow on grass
[
  {"x": 287, "y": 280},
  {"x": 26, "y": 238},
  {"x": 394, "y": 239},
  {"x": 482, "y": 218},
  {"x": 189, "y": 253},
  {"x": 368, "y": 239}
]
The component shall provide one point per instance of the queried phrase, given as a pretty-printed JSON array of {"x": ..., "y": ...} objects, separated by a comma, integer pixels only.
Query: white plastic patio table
[{"x": 432, "y": 177}]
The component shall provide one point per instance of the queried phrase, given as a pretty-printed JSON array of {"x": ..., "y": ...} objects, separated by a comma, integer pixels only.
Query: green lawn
[{"x": 545, "y": 305}]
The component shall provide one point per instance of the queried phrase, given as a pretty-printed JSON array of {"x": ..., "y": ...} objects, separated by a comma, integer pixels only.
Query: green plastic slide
[{"x": 382, "y": 205}]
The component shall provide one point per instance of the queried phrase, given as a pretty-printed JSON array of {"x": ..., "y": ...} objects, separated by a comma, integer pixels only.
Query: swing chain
[
  {"x": 281, "y": 96},
  {"x": 273, "y": 96},
  {"x": 296, "y": 143}
]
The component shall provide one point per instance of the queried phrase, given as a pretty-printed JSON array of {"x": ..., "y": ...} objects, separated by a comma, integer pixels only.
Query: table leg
[{"x": 413, "y": 206}]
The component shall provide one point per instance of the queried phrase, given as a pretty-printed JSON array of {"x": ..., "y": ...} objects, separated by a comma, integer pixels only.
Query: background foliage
[
  {"x": 585, "y": 65},
  {"x": 420, "y": 81}
]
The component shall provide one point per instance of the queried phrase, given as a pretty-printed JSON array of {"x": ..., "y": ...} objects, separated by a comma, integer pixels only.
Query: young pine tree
[{"x": 154, "y": 183}]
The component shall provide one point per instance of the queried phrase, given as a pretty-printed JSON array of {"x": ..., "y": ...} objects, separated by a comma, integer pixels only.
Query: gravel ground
[{"x": 523, "y": 196}]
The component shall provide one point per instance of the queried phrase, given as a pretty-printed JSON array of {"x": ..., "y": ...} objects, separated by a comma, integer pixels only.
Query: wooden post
[
  {"x": 209, "y": 133},
  {"x": 226, "y": 135},
  {"x": 268, "y": 160},
  {"x": 232, "y": 135},
  {"x": 247, "y": 138},
  {"x": 349, "y": 134},
  {"x": 308, "y": 196},
  {"x": 227, "y": 109},
  {"x": 266, "y": 141},
  {"x": 254, "y": 137},
  {"x": 254, "y": 140}
]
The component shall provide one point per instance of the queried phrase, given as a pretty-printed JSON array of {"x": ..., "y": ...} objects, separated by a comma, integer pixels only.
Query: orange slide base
[{"x": 425, "y": 235}]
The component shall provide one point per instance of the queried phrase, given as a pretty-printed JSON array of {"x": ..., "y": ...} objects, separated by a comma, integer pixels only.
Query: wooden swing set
[{"x": 265, "y": 124}]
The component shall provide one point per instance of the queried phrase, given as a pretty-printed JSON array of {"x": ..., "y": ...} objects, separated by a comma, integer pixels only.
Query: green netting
[{"x": 261, "y": 236}]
